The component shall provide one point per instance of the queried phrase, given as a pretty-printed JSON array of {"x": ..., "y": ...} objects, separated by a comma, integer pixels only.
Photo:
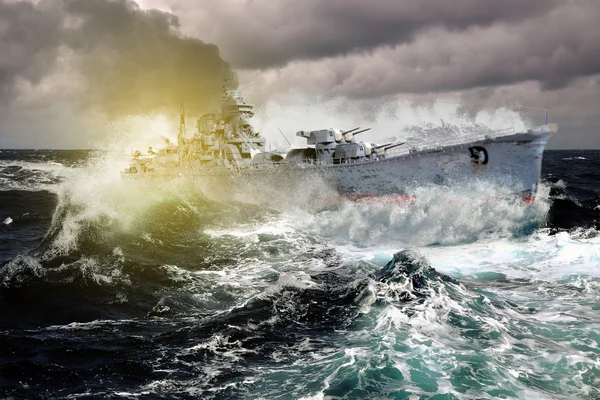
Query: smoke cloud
[{"x": 122, "y": 59}]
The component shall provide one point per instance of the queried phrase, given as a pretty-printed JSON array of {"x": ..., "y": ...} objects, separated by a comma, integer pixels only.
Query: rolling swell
[
  {"x": 567, "y": 213},
  {"x": 574, "y": 178},
  {"x": 189, "y": 352},
  {"x": 163, "y": 293},
  {"x": 115, "y": 263}
]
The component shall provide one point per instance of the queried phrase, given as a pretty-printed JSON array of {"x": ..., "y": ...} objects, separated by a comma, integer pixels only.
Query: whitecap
[{"x": 437, "y": 215}]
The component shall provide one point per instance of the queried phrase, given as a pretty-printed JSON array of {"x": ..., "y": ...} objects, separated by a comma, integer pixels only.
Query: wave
[
  {"x": 543, "y": 256},
  {"x": 432, "y": 216},
  {"x": 568, "y": 213},
  {"x": 347, "y": 332},
  {"x": 174, "y": 223},
  {"x": 97, "y": 212},
  {"x": 291, "y": 318},
  {"x": 32, "y": 176},
  {"x": 184, "y": 295}
]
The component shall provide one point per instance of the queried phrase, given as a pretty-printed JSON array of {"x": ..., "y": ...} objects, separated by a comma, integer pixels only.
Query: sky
[{"x": 70, "y": 68}]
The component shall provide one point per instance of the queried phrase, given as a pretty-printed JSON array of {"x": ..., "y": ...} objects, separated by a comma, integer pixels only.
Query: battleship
[{"x": 227, "y": 152}]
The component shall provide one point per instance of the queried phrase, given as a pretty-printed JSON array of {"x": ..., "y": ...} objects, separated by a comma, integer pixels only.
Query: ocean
[{"x": 109, "y": 290}]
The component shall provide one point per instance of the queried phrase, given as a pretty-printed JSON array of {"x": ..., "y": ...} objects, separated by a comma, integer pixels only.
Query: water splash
[
  {"x": 435, "y": 215},
  {"x": 435, "y": 121}
]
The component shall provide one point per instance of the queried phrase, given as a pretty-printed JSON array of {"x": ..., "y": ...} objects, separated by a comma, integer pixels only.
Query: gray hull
[{"x": 512, "y": 161}]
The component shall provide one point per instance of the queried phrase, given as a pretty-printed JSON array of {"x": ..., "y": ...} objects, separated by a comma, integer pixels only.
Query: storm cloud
[
  {"x": 359, "y": 48},
  {"x": 483, "y": 53},
  {"x": 126, "y": 60},
  {"x": 263, "y": 34},
  {"x": 29, "y": 39}
]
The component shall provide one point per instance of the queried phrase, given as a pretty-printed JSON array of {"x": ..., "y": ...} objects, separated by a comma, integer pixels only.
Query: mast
[{"x": 182, "y": 128}]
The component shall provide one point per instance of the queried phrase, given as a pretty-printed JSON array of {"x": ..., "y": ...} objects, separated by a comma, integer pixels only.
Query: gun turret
[{"x": 349, "y": 135}]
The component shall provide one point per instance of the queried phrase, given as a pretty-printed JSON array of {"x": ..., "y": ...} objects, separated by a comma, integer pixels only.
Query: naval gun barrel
[
  {"x": 364, "y": 130},
  {"x": 394, "y": 145},
  {"x": 382, "y": 145},
  {"x": 350, "y": 131}
]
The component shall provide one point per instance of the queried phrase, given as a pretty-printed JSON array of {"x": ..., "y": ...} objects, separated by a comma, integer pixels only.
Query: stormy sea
[{"x": 112, "y": 290}]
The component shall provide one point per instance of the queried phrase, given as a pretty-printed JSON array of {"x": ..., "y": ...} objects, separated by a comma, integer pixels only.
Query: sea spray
[
  {"x": 430, "y": 216},
  {"x": 171, "y": 294},
  {"x": 393, "y": 119}
]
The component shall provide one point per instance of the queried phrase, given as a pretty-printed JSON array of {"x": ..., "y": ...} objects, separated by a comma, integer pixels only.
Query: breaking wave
[
  {"x": 347, "y": 333},
  {"x": 162, "y": 291},
  {"x": 17, "y": 175}
]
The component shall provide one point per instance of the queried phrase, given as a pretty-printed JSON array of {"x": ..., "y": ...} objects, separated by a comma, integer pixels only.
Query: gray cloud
[
  {"x": 573, "y": 107},
  {"x": 126, "y": 59},
  {"x": 29, "y": 39},
  {"x": 547, "y": 59},
  {"x": 136, "y": 61},
  {"x": 552, "y": 48},
  {"x": 263, "y": 34}
]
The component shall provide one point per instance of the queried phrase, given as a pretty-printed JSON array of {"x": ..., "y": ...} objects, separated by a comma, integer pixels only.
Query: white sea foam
[
  {"x": 38, "y": 175},
  {"x": 436, "y": 215},
  {"x": 542, "y": 256},
  {"x": 19, "y": 269},
  {"x": 565, "y": 261},
  {"x": 94, "y": 193},
  {"x": 88, "y": 326},
  {"x": 433, "y": 346}
]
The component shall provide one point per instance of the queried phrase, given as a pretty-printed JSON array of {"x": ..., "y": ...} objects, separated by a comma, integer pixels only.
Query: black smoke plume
[{"x": 126, "y": 59}]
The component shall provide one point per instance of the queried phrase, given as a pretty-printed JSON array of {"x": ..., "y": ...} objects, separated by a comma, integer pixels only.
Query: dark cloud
[
  {"x": 118, "y": 57},
  {"x": 136, "y": 61},
  {"x": 553, "y": 48},
  {"x": 573, "y": 107},
  {"x": 29, "y": 39},
  {"x": 263, "y": 34},
  {"x": 128, "y": 60}
]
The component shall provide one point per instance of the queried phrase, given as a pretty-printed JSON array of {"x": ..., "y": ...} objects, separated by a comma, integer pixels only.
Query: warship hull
[{"x": 510, "y": 161}]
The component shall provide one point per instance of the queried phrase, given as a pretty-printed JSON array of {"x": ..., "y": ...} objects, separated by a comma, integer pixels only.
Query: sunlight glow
[{"x": 138, "y": 132}]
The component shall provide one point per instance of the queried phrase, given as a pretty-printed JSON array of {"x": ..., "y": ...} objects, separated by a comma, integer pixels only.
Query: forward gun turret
[{"x": 333, "y": 146}]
